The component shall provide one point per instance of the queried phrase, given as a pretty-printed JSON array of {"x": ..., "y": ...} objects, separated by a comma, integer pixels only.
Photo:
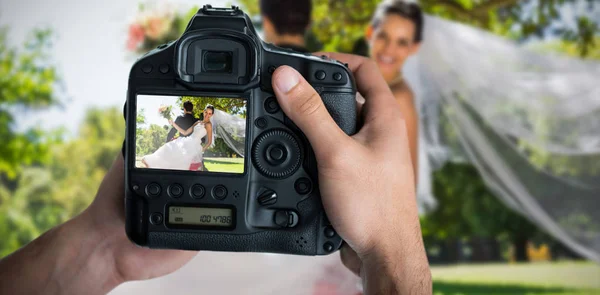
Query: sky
[
  {"x": 150, "y": 105},
  {"x": 88, "y": 48}
]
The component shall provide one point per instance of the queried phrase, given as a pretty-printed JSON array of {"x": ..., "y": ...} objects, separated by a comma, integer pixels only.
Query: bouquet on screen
[{"x": 166, "y": 112}]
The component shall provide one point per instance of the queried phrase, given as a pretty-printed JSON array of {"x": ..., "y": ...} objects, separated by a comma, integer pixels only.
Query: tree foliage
[
  {"x": 339, "y": 25},
  {"x": 27, "y": 82},
  {"x": 45, "y": 196}
]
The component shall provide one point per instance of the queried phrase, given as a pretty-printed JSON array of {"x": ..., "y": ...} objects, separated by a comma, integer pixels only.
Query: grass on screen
[{"x": 231, "y": 165}]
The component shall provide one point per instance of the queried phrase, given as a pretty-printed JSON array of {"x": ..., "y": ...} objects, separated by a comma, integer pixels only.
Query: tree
[
  {"x": 151, "y": 139},
  {"x": 27, "y": 81},
  {"x": 340, "y": 25},
  {"x": 234, "y": 106},
  {"x": 45, "y": 196}
]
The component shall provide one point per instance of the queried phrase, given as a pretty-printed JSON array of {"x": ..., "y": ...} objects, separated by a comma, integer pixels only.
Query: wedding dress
[{"x": 179, "y": 153}]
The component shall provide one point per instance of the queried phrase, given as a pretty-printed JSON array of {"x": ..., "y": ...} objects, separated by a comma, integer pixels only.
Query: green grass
[
  {"x": 530, "y": 278},
  {"x": 232, "y": 165}
]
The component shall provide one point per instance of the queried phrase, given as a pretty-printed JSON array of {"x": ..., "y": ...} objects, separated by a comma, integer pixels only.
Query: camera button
[
  {"x": 261, "y": 123},
  {"x": 276, "y": 154},
  {"x": 219, "y": 192},
  {"x": 156, "y": 218},
  {"x": 271, "y": 69},
  {"x": 271, "y": 105},
  {"x": 303, "y": 186},
  {"x": 153, "y": 190},
  {"x": 328, "y": 247},
  {"x": 320, "y": 75},
  {"x": 197, "y": 191},
  {"x": 164, "y": 68},
  {"x": 337, "y": 76},
  {"x": 147, "y": 68},
  {"x": 175, "y": 190},
  {"x": 267, "y": 197},
  {"x": 285, "y": 218},
  {"x": 329, "y": 232}
]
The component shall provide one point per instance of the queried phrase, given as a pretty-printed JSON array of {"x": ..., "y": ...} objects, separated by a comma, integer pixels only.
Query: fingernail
[{"x": 287, "y": 78}]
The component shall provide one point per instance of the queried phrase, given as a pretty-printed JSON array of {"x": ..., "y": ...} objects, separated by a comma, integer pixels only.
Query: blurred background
[{"x": 64, "y": 66}]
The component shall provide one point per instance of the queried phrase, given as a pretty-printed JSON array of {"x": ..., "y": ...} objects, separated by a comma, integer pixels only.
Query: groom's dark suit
[{"x": 186, "y": 121}]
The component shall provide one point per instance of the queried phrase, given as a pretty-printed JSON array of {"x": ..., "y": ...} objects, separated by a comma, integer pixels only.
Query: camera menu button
[
  {"x": 261, "y": 123},
  {"x": 219, "y": 192},
  {"x": 271, "y": 105},
  {"x": 156, "y": 218},
  {"x": 153, "y": 190},
  {"x": 197, "y": 191},
  {"x": 328, "y": 247},
  {"x": 164, "y": 68},
  {"x": 320, "y": 75},
  {"x": 329, "y": 232},
  {"x": 303, "y": 186},
  {"x": 175, "y": 190},
  {"x": 147, "y": 68}
]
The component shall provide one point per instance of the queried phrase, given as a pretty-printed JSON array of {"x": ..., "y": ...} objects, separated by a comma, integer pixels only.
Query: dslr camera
[{"x": 202, "y": 191}]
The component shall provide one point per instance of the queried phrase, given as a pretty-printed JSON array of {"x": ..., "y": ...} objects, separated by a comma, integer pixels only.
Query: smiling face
[
  {"x": 207, "y": 114},
  {"x": 391, "y": 43}
]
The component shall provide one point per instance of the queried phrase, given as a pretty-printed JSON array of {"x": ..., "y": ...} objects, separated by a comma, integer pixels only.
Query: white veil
[
  {"x": 529, "y": 122},
  {"x": 230, "y": 128}
]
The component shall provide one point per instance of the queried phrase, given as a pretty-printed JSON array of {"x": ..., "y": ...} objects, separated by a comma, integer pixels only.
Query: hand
[
  {"x": 89, "y": 254},
  {"x": 366, "y": 180},
  {"x": 170, "y": 122},
  {"x": 129, "y": 261}
]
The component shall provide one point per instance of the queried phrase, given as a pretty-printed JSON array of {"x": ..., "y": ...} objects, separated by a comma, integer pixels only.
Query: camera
[{"x": 245, "y": 182}]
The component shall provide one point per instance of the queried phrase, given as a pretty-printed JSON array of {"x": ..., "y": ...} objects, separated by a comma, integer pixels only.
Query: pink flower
[
  {"x": 136, "y": 36},
  {"x": 156, "y": 27}
]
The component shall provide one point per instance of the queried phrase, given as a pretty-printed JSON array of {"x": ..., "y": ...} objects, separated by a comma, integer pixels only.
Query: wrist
[
  {"x": 85, "y": 263},
  {"x": 397, "y": 263}
]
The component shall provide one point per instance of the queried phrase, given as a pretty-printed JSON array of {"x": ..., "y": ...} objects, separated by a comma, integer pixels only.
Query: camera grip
[{"x": 343, "y": 109}]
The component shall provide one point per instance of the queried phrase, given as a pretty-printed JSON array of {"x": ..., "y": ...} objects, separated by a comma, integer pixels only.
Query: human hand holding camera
[
  {"x": 366, "y": 185},
  {"x": 366, "y": 180}
]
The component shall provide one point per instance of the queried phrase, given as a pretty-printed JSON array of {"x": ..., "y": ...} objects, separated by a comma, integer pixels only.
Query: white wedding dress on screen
[{"x": 179, "y": 153}]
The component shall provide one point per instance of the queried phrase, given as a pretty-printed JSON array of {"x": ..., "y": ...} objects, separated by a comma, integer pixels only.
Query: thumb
[{"x": 301, "y": 103}]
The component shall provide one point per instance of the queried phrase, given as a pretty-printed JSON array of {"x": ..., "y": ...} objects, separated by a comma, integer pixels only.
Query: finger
[{"x": 304, "y": 106}]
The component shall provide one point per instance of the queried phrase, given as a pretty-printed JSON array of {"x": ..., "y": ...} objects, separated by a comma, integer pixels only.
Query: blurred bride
[
  {"x": 180, "y": 153},
  {"x": 395, "y": 34}
]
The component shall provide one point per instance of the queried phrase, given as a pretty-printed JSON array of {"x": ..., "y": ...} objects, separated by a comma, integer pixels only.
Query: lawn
[
  {"x": 233, "y": 165},
  {"x": 531, "y": 278}
]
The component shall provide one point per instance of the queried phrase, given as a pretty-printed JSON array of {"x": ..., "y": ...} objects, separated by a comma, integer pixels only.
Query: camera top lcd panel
[{"x": 212, "y": 163}]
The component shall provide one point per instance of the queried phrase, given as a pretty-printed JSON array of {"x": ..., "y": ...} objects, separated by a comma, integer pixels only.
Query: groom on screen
[{"x": 186, "y": 121}]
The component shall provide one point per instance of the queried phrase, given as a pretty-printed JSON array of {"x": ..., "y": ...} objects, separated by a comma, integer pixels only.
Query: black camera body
[{"x": 274, "y": 205}]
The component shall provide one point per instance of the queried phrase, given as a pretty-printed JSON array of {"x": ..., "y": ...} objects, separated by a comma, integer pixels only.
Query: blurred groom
[
  {"x": 185, "y": 121},
  {"x": 285, "y": 22}
]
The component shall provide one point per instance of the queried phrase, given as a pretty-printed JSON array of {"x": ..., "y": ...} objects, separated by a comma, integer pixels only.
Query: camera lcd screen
[
  {"x": 190, "y": 133},
  {"x": 222, "y": 217}
]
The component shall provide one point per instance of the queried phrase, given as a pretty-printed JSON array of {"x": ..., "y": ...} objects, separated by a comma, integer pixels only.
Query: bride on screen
[{"x": 183, "y": 151}]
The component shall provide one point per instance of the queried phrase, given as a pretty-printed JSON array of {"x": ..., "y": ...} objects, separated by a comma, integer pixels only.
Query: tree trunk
[{"x": 520, "y": 248}]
